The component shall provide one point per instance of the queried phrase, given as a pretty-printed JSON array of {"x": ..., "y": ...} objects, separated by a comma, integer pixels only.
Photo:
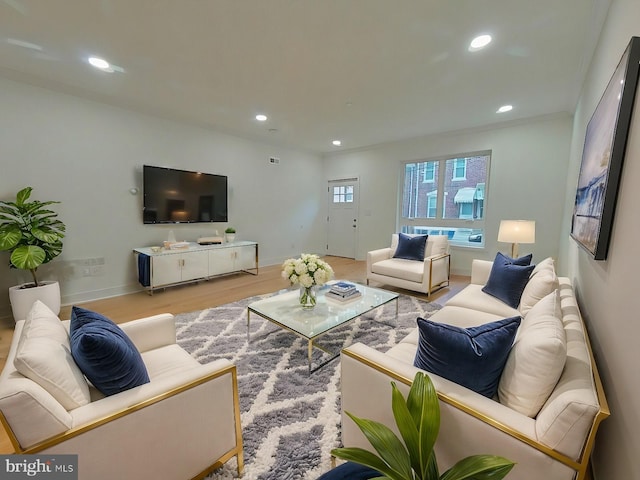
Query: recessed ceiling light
[
  {"x": 337, "y": 143},
  {"x": 479, "y": 42},
  {"x": 100, "y": 63},
  {"x": 261, "y": 118},
  {"x": 505, "y": 108}
]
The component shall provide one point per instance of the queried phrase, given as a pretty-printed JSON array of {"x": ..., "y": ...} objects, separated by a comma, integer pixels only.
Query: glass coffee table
[{"x": 284, "y": 311}]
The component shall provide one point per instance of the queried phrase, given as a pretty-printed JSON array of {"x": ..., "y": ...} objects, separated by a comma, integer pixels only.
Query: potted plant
[
  {"x": 230, "y": 233},
  {"x": 418, "y": 421},
  {"x": 32, "y": 234}
]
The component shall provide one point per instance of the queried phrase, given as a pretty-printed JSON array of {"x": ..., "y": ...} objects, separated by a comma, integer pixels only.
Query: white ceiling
[{"x": 363, "y": 71}]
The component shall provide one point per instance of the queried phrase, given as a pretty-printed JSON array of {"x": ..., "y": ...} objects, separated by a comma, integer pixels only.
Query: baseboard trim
[{"x": 100, "y": 294}]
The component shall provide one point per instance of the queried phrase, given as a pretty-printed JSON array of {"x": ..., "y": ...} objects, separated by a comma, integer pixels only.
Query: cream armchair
[
  {"x": 425, "y": 277},
  {"x": 183, "y": 424}
]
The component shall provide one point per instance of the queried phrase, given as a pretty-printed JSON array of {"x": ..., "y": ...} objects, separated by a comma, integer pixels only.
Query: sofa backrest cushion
[
  {"x": 436, "y": 244},
  {"x": 536, "y": 360},
  {"x": 507, "y": 280},
  {"x": 472, "y": 357},
  {"x": 43, "y": 355},
  {"x": 104, "y": 353},
  {"x": 411, "y": 247},
  {"x": 542, "y": 282}
]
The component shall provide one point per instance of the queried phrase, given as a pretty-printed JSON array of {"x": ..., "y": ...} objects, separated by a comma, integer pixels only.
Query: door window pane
[{"x": 343, "y": 194}]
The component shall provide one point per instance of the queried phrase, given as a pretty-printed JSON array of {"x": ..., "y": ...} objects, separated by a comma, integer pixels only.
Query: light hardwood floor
[{"x": 211, "y": 293}]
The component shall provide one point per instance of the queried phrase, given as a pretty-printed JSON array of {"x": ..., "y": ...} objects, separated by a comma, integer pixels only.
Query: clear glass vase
[{"x": 308, "y": 296}]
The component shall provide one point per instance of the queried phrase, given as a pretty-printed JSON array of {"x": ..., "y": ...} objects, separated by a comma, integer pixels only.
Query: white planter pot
[
  {"x": 231, "y": 237},
  {"x": 22, "y": 299}
]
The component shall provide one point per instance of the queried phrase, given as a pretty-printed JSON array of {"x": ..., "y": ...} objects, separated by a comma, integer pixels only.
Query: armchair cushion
[
  {"x": 507, "y": 279},
  {"x": 472, "y": 357},
  {"x": 411, "y": 247},
  {"x": 44, "y": 356},
  {"x": 104, "y": 353}
]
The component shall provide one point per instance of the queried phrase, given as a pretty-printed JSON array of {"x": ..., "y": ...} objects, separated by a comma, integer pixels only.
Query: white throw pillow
[
  {"x": 546, "y": 264},
  {"x": 44, "y": 356},
  {"x": 536, "y": 360},
  {"x": 542, "y": 282}
]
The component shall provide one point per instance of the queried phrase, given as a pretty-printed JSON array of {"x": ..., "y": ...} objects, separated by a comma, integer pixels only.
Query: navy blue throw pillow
[
  {"x": 350, "y": 471},
  {"x": 104, "y": 353},
  {"x": 524, "y": 260},
  {"x": 411, "y": 248},
  {"x": 472, "y": 357},
  {"x": 508, "y": 279}
]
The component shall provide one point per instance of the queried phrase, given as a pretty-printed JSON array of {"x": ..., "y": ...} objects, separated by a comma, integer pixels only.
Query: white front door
[{"x": 342, "y": 222}]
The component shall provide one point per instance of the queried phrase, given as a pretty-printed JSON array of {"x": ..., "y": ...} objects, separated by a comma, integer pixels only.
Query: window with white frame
[
  {"x": 430, "y": 172},
  {"x": 459, "y": 168},
  {"x": 452, "y": 204}
]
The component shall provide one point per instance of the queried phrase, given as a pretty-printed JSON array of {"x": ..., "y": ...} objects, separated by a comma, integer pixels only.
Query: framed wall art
[{"x": 603, "y": 155}]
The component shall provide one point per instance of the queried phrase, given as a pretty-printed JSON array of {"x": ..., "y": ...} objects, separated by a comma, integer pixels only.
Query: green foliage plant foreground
[
  {"x": 30, "y": 232},
  {"x": 418, "y": 421}
]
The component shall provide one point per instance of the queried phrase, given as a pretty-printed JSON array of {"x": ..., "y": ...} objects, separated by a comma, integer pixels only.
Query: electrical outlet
[
  {"x": 274, "y": 161},
  {"x": 97, "y": 270}
]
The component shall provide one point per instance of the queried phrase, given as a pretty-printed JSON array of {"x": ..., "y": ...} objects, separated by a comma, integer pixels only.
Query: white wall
[
  {"x": 88, "y": 155},
  {"x": 606, "y": 289},
  {"x": 527, "y": 181}
]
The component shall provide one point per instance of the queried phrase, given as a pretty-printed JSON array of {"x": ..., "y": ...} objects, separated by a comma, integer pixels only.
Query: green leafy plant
[
  {"x": 30, "y": 232},
  {"x": 230, "y": 230},
  {"x": 418, "y": 421}
]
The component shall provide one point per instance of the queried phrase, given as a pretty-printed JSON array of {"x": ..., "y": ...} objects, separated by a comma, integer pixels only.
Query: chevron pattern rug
[{"x": 290, "y": 419}]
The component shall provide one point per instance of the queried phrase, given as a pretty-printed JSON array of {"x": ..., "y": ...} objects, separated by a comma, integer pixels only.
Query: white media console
[{"x": 196, "y": 262}]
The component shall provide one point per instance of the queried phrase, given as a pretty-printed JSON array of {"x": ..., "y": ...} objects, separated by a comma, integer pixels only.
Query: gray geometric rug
[{"x": 290, "y": 419}]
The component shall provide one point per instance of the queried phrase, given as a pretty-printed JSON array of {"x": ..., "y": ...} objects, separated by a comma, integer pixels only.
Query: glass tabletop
[{"x": 284, "y": 309}]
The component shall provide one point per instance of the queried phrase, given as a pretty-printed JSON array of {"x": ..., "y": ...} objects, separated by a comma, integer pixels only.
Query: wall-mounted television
[{"x": 180, "y": 196}]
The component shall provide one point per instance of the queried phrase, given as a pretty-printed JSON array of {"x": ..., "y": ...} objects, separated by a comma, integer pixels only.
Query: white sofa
[
  {"x": 553, "y": 443},
  {"x": 413, "y": 275},
  {"x": 183, "y": 424}
]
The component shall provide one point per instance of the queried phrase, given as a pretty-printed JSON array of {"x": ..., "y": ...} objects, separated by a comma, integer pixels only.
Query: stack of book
[{"x": 343, "y": 291}]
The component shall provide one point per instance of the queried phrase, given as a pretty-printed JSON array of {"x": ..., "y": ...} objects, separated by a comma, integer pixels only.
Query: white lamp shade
[{"x": 517, "y": 231}]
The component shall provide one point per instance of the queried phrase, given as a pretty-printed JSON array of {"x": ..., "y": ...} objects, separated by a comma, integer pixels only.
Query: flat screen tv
[{"x": 180, "y": 196}]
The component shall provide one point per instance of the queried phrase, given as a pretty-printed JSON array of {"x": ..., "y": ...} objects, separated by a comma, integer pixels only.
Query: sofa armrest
[
  {"x": 147, "y": 333},
  {"x": 440, "y": 256},
  {"x": 152, "y": 332},
  {"x": 480, "y": 271},
  {"x": 376, "y": 256},
  {"x": 470, "y": 423},
  {"x": 184, "y": 431}
]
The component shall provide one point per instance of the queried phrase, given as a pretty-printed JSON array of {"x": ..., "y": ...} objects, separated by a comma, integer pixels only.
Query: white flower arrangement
[{"x": 308, "y": 270}]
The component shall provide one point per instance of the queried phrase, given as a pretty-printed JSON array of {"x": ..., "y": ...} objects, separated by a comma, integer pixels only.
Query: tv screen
[{"x": 179, "y": 196}]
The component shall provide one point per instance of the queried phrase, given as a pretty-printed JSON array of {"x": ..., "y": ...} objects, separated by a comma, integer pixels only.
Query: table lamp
[{"x": 516, "y": 232}]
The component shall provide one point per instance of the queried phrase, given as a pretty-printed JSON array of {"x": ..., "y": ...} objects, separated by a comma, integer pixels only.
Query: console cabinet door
[
  {"x": 195, "y": 265},
  {"x": 221, "y": 261},
  {"x": 246, "y": 258},
  {"x": 167, "y": 269},
  {"x": 182, "y": 267}
]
